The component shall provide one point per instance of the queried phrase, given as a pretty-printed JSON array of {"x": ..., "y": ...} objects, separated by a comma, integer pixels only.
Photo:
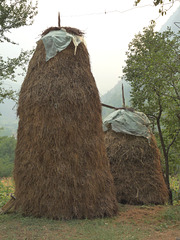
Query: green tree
[
  {"x": 13, "y": 14},
  {"x": 153, "y": 70},
  {"x": 7, "y": 151}
]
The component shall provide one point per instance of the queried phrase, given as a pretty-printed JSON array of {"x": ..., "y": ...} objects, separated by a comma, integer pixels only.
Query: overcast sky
[{"x": 109, "y": 26}]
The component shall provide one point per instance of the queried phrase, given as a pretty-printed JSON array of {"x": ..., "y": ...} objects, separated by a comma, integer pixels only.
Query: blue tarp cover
[
  {"x": 125, "y": 121},
  {"x": 56, "y": 41}
]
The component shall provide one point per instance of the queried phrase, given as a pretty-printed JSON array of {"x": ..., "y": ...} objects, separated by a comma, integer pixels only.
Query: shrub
[
  {"x": 6, "y": 188},
  {"x": 175, "y": 187}
]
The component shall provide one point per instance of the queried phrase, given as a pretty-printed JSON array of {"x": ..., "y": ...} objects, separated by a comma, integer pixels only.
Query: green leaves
[
  {"x": 15, "y": 14},
  {"x": 152, "y": 66},
  {"x": 8, "y": 68},
  {"x": 7, "y": 151},
  {"x": 8, "y": 71},
  {"x": 153, "y": 70},
  {"x": 6, "y": 188}
]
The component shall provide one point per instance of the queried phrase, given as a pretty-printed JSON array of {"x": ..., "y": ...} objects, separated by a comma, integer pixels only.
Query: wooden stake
[
  {"x": 8, "y": 205},
  {"x": 123, "y": 98},
  {"x": 59, "y": 20}
]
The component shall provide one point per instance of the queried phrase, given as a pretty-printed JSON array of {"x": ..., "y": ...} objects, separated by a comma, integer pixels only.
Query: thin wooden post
[
  {"x": 8, "y": 205},
  {"x": 123, "y": 98},
  {"x": 59, "y": 20}
]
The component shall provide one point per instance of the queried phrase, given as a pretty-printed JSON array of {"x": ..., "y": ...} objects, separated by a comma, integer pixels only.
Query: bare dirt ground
[{"x": 149, "y": 217}]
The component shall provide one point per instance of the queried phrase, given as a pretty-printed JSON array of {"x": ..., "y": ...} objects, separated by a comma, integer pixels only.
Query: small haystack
[
  {"x": 135, "y": 165},
  {"x": 61, "y": 167}
]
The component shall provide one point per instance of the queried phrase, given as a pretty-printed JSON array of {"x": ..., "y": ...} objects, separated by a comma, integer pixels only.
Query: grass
[
  {"x": 16, "y": 227},
  {"x": 132, "y": 222},
  {"x": 172, "y": 214}
]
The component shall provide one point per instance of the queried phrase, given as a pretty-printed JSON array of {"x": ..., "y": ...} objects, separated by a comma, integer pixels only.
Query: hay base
[{"x": 136, "y": 169}]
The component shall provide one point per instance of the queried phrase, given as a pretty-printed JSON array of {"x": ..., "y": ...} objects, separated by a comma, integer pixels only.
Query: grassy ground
[{"x": 133, "y": 222}]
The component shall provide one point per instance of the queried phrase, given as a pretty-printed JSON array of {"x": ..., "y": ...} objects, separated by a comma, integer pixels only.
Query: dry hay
[
  {"x": 68, "y": 29},
  {"x": 136, "y": 168},
  {"x": 61, "y": 166}
]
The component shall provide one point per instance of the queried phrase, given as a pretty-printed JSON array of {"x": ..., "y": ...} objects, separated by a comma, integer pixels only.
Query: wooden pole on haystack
[
  {"x": 59, "y": 20},
  {"x": 123, "y": 98}
]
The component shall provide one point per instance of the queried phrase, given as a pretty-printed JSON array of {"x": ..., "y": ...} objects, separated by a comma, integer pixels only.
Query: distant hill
[
  {"x": 173, "y": 22},
  {"x": 8, "y": 120},
  {"x": 8, "y": 110},
  {"x": 114, "y": 97}
]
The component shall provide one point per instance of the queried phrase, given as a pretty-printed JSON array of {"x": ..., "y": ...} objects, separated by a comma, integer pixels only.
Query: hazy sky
[{"x": 109, "y": 26}]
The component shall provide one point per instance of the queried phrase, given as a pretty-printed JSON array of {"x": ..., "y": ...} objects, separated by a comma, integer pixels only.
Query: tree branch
[{"x": 174, "y": 139}]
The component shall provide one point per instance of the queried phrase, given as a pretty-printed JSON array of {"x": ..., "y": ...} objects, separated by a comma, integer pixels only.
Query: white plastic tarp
[
  {"x": 125, "y": 121},
  {"x": 58, "y": 40}
]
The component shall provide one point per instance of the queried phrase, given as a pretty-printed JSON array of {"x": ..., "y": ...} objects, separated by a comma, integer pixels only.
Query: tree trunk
[{"x": 165, "y": 157}]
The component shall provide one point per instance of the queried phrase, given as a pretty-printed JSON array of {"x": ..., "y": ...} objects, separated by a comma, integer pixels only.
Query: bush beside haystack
[
  {"x": 61, "y": 167},
  {"x": 136, "y": 168}
]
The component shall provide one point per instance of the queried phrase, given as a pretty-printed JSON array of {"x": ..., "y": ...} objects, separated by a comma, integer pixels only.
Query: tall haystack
[
  {"x": 135, "y": 162},
  {"x": 61, "y": 167}
]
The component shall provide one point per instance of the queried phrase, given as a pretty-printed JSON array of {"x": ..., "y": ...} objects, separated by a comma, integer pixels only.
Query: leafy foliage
[
  {"x": 153, "y": 70},
  {"x": 6, "y": 188},
  {"x": 8, "y": 71},
  {"x": 13, "y": 14},
  {"x": 175, "y": 186},
  {"x": 7, "y": 149}
]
